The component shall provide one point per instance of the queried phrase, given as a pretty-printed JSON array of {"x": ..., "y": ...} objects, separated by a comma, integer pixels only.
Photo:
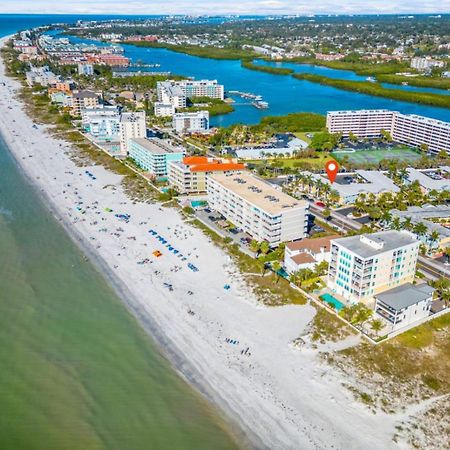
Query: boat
[{"x": 260, "y": 104}]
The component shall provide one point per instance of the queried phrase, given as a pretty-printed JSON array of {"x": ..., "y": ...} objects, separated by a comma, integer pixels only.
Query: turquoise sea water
[{"x": 76, "y": 370}]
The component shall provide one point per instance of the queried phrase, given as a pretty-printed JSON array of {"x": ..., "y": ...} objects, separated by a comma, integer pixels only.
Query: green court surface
[{"x": 375, "y": 156}]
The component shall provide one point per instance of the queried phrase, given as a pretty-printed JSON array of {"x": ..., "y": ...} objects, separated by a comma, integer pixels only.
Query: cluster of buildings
[
  {"x": 173, "y": 97},
  {"x": 426, "y": 64},
  {"x": 409, "y": 129},
  {"x": 26, "y": 47},
  {"x": 64, "y": 52}
]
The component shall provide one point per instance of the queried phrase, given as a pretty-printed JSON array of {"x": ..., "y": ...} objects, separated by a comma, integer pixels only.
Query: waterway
[
  {"x": 77, "y": 371},
  {"x": 284, "y": 93}
]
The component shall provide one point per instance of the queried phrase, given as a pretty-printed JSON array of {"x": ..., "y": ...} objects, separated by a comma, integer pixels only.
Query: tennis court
[{"x": 376, "y": 155}]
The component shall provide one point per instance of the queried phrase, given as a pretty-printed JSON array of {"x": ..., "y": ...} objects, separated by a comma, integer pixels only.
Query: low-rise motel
[
  {"x": 408, "y": 129},
  {"x": 154, "y": 155},
  {"x": 189, "y": 175},
  {"x": 256, "y": 207},
  {"x": 366, "y": 265}
]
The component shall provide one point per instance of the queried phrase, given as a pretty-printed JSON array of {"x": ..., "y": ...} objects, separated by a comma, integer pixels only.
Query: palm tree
[
  {"x": 376, "y": 325},
  {"x": 386, "y": 218},
  {"x": 420, "y": 229},
  {"x": 255, "y": 246},
  {"x": 395, "y": 224},
  {"x": 264, "y": 247},
  {"x": 434, "y": 237},
  {"x": 276, "y": 267},
  {"x": 406, "y": 224}
]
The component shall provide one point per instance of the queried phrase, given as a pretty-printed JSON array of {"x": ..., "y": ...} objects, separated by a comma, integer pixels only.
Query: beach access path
[{"x": 278, "y": 396}]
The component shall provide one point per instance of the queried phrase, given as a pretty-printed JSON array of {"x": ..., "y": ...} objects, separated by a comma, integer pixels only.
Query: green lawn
[{"x": 375, "y": 156}]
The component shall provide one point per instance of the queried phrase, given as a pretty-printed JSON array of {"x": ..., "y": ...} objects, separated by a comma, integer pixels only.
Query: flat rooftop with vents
[{"x": 257, "y": 192}]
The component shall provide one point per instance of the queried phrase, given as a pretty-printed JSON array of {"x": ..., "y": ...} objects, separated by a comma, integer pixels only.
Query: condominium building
[
  {"x": 164, "y": 109},
  {"x": 172, "y": 94},
  {"x": 176, "y": 92},
  {"x": 256, "y": 207},
  {"x": 154, "y": 155},
  {"x": 84, "y": 100},
  {"x": 366, "y": 123},
  {"x": 85, "y": 69},
  {"x": 132, "y": 125},
  {"x": 416, "y": 130},
  {"x": 366, "y": 265},
  {"x": 190, "y": 175},
  {"x": 41, "y": 75},
  {"x": 202, "y": 88},
  {"x": 102, "y": 123},
  {"x": 195, "y": 122},
  {"x": 407, "y": 129},
  {"x": 425, "y": 64}
]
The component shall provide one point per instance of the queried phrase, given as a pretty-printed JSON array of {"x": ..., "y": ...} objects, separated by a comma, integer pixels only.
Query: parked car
[{"x": 233, "y": 231}]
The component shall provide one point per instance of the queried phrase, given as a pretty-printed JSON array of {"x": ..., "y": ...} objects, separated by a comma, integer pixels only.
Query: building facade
[
  {"x": 307, "y": 253},
  {"x": 170, "y": 94},
  {"x": 256, "y": 207},
  {"x": 408, "y": 129},
  {"x": 85, "y": 69},
  {"x": 190, "y": 175},
  {"x": 84, "y": 100},
  {"x": 404, "y": 305},
  {"x": 364, "y": 266},
  {"x": 154, "y": 155},
  {"x": 164, "y": 109},
  {"x": 102, "y": 123},
  {"x": 195, "y": 122},
  {"x": 362, "y": 123},
  {"x": 132, "y": 125}
]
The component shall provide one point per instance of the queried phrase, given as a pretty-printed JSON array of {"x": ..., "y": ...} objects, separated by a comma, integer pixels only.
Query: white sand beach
[{"x": 280, "y": 396}]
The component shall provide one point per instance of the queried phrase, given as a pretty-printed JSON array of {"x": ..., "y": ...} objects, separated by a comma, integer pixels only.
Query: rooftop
[
  {"x": 314, "y": 245},
  {"x": 426, "y": 212},
  {"x": 405, "y": 295},
  {"x": 376, "y": 182},
  {"x": 157, "y": 146},
  {"x": 258, "y": 192},
  {"x": 369, "y": 245},
  {"x": 426, "y": 181}
]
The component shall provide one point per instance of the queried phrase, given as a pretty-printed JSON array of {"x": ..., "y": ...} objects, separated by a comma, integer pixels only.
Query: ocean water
[{"x": 76, "y": 370}]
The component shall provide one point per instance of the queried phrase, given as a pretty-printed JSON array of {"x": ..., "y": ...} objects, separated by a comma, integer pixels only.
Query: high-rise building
[
  {"x": 132, "y": 125},
  {"x": 102, "y": 123},
  {"x": 407, "y": 129},
  {"x": 190, "y": 174},
  {"x": 256, "y": 207},
  {"x": 366, "y": 265},
  {"x": 193, "y": 122},
  {"x": 154, "y": 155}
]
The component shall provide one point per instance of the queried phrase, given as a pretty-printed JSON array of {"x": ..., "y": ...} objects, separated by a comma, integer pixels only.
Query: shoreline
[{"x": 281, "y": 397}]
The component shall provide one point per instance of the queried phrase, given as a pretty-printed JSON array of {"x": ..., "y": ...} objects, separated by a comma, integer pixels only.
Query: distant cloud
[{"x": 303, "y": 7}]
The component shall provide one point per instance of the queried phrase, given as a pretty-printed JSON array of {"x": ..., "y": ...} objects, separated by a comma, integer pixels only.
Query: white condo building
[
  {"x": 170, "y": 94},
  {"x": 256, "y": 207},
  {"x": 164, "y": 109},
  {"x": 406, "y": 129},
  {"x": 102, "y": 123},
  {"x": 176, "y": 92},
  {"x": 132, "y": 125},
  {"x": 363, "y": 266},
  {"x": 191, "y": 122}
]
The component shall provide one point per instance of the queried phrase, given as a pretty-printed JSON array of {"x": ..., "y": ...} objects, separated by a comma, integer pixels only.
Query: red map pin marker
[{"x": 332, "y": 168}]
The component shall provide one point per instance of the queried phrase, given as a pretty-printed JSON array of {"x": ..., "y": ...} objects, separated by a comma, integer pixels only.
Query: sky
[{"x": 204, "y": 7}]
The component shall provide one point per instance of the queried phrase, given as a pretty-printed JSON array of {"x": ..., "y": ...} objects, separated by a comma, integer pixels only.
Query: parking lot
[{"x": 216, "y": 222}]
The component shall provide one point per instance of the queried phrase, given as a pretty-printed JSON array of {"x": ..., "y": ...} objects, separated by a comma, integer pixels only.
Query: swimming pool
[
  {"x": 332, "y": 301},
  {"x": 198, "y": 203}
]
